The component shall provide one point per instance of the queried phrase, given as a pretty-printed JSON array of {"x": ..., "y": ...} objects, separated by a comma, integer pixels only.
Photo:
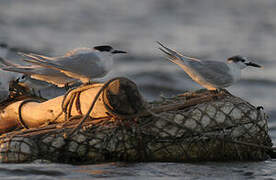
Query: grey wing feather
[
  {"x": 73, "y": 66},
  {"x": 78, "y": 62},
  {"x": 18, "y": 70},
  {"x": 52, "y": 65},
  {"x": 214, "y": 72},
  {"x": 36, "y": 56},
  {"x": 84, "y": 64},
  {"x": 43, "y": 74}
]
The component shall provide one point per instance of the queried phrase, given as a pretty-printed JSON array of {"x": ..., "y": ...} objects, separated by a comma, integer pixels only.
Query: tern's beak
[
  {"x": 253, "y": 64},
  {"x": 118, "y": 52}
]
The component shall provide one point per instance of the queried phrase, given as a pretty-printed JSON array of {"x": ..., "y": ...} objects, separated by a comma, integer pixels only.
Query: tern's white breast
[{"x": 235, "y": 71}]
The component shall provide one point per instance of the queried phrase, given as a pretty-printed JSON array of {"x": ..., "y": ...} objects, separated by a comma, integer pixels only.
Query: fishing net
[{"x": 193, "y": 127}]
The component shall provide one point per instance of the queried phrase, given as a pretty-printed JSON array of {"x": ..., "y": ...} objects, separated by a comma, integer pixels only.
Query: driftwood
[{"x": 193, "y": 127}]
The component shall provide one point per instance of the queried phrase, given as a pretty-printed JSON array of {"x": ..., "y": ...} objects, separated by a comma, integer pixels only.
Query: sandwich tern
[
  {"x": 212, "y": 75},
  {"x": 83, "y": 64}
]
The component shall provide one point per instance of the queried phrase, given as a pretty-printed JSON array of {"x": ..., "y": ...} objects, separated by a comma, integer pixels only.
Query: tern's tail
[{"x": 175, "y": 56}]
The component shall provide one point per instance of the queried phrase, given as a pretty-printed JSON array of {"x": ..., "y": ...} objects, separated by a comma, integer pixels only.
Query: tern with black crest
[
  {"x": 82, "y": 64},
  {"x": 212, "y": 75}
]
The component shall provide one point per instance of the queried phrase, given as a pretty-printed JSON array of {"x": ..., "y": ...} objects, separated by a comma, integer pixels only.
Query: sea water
[{"x": 213, "y": 30}]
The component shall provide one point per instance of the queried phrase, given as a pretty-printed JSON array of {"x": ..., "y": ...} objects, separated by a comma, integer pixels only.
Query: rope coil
[
  {"x": 75, "y": 96},
  {"x": 20, "y": 120}
]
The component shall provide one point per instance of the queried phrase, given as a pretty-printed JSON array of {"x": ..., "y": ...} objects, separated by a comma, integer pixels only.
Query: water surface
[{"x": 210, "y": 29}]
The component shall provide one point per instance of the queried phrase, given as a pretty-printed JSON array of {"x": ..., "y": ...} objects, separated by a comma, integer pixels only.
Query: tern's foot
[
  {"x": 224, "y": 91},
  {"x": 219, "y": 91},
  {"x": 216, "y": 94}
]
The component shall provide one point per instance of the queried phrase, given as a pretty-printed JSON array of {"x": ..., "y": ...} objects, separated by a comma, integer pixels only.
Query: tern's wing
[
  {"x": 214, "y": 72},
  {"x": 43, "y": 74},
  {"x": 36, "y": 56},
  {"x": 79, "y": 65},
  {"x": 48, "y": 62}
]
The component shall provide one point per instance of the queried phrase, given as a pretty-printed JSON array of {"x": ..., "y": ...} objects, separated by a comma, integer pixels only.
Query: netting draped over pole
[{"x": 193, "y": 127}]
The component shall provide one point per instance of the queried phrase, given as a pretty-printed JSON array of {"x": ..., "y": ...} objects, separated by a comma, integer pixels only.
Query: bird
[
  {"x": 83, "y": 64},
  {"x": 212, "y": 75}
]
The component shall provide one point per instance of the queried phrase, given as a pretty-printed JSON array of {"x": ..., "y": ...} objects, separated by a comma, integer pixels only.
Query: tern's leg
[
  {"x": 66, "y": 86},
  {"x": 39, "y": 93},
  {"x": 33, "y": 92},
  {"x": 36, "y": 93}
]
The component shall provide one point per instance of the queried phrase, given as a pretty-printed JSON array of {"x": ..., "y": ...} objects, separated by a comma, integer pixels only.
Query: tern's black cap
[
  {"x": 103, "y": 48},
  {"x": 237, "y": 58}
]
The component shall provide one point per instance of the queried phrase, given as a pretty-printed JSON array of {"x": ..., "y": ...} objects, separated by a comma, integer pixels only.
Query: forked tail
[{"x": 175, "y": 56}]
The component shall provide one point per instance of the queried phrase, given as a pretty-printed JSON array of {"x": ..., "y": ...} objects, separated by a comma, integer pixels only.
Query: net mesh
[{"x": 227, "y": 128}]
